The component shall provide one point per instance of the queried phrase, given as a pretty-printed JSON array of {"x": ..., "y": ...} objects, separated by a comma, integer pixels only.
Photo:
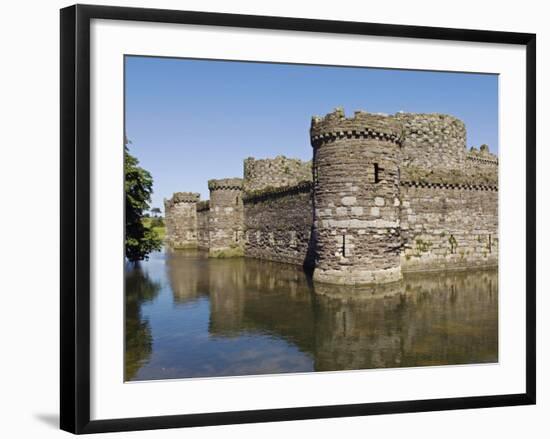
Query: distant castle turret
[
  {"x": 181, "y": 223},
  {"x": 226, "y": 220}
]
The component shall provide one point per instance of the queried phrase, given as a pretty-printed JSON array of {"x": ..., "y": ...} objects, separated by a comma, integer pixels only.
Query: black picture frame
[{"x": 75, "y": 217}]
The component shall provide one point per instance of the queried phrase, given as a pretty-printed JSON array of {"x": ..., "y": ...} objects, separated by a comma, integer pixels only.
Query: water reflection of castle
[{"x": 429, "y": 319}]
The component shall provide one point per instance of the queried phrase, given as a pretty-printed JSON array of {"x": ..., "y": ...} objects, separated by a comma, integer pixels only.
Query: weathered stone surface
[
  {"x": 181, "y": 220},
  {"x": 365, "y": 157},
  {"x": 226, "y": 218},
  {"x": 273, "y": 173},
  {"x": 389, "y": 194},
  {"x": 432, "y": 141},
  {"x": 203, "y": 219},
  {"x": 278, "y": 227},
  {"x": 449, "y": 228}
]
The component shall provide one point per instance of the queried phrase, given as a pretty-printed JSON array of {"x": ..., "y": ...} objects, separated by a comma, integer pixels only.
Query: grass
[{"x": 159, "y": 230}]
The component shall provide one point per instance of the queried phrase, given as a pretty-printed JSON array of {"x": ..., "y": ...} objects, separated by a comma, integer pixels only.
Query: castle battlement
[
  {"x": 335, "y": 125},
  {"x": 276, "y": 172},
  {"x": 277, "y": 192},
  {"x": 184, "y": 197},
  {"x": 225, "y": 183},
  {"x": 482, "y": 156},
  {"x": 383, "y": 194},
  {"x": 181, "y": 219}
]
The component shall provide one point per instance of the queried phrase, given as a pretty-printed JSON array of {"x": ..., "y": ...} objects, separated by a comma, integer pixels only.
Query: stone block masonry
[
  {"x": 278, "y": 224},
  {"x": 384, "y": 194},
  {"x": 180, "y": 213},
  {"x": 432, "y": 141},
  {"x": 203, "y": 230},
  {"x": 356, "y": 198},
  {"x": 448, "y": 227},
  {"x": 274, "y": 173},
  {"x": 226, "y": 217}
]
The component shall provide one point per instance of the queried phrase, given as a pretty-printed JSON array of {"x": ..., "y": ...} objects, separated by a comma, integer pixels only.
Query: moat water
[{"x": 190, "y": 316}]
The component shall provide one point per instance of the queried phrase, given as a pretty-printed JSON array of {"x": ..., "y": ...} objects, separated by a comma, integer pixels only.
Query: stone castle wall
[
  {"x": 278, "y": 225},
  {"x": 482, "y": 165},
  {"x": 432, "y": 141},
  {"x": 203, "y": 219},
  {"x": 181, "y": 219},
  {"x": 226, "y": 217},
  {"x": 448, "y": 226},
  {"x": 383, "y": 194},
  {"x": 281, "y": 171}
]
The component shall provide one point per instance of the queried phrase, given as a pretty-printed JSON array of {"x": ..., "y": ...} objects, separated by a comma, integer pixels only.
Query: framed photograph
[{"x": 273, "y": 218}]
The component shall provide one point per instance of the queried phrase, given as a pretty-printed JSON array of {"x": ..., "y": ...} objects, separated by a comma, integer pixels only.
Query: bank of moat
[{"x": 382, "y": 195}]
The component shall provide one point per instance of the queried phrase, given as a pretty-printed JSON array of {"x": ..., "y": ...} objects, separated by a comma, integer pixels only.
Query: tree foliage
[{"x": 138, "y": 184}]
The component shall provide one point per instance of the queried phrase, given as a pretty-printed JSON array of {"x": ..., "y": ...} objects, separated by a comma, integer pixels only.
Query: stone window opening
[
  {"x": 344, "y": 245},
  {"x": 376, "y": 173},
  {"x": 237, "y": 200}
]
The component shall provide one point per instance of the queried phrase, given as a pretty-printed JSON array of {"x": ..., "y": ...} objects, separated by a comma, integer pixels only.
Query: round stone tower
[
  {"x": 226, "y": 217},
  {"x": 181, "y": 220},
  {"x": 356, "y": 198},
  {"x": 276, "y": 172},
  {"x": 432, "y": 141}
]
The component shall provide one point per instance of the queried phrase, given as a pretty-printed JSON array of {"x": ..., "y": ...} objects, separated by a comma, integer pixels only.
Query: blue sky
[{"x": 192, "y": 120}]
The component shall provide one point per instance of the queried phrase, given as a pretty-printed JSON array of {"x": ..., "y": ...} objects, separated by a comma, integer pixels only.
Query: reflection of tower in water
[
  {"x": 262, "y": 298},
  {"x": 436, "y": 319},
  {"x": 425, "y": 319},
  {"x": 187, "y": 272},
  {"x": 226, "y": 281}
]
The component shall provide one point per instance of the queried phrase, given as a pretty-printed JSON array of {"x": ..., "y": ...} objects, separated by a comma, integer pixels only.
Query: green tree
[
  {"x": 155, "y": 211},
  {"x": 138, "y": 184}
]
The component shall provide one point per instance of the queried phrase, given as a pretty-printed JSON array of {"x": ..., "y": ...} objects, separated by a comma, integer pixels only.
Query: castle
[{"x": 383, "y": 195}]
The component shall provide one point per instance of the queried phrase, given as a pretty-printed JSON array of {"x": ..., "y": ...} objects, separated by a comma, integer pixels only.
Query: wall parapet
[
  {"x": 277, "y": 192},
  {"x": 275, "y": 172},
  {"x": 439, "y": 185},
  {"x": 482, "y": 156},
  {"x": 181, "y": 219},
  {"x": 336, "y": 126},
  {"x": 383, "y": 193},
  {"x": 225, "y": 183},
  {"x": 475, "y": 176},
  {"x": 183, "y": 197}
]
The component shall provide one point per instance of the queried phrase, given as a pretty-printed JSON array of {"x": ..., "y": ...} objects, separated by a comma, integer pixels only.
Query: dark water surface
[{"x": 190, "y": 316}]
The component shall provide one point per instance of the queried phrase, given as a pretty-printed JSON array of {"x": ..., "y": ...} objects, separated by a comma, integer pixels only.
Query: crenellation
[
  {"x": 225, "y": 183},
  {"x": 432, "y": 141},
  {"x": 280, "y": 171},
  {"x": 383, "y": 194},
  {"x": 181, "y": 219},
  {"x": 226, "y": 217},
  {"x": 365, "y": 156}
]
